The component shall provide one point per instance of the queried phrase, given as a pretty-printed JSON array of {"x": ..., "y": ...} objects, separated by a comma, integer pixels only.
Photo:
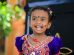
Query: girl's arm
[{"x": 20, "y": 53}]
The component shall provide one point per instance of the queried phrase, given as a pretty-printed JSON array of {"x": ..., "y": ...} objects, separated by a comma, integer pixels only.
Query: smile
[{"x": 38, "y": 27}]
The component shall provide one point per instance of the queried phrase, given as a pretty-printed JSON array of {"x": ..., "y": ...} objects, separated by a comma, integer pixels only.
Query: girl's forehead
[{"x": 39, "y": 12}]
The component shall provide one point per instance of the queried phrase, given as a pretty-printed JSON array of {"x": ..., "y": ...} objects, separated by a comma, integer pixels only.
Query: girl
[{"x": 39, "y": 43}]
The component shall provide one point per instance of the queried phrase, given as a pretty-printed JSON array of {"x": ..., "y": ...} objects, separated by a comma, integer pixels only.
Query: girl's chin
[{"x": 39, "y": 32}]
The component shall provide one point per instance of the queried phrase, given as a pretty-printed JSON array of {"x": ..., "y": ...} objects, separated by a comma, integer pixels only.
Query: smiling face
[{"x": 39, "y": 21}]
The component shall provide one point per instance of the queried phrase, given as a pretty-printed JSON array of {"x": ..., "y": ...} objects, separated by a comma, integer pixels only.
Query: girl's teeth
[{"x": 38, "y": 28}]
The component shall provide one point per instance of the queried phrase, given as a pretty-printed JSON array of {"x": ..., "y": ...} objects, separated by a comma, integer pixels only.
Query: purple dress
[{"x": 50, "y": 48}]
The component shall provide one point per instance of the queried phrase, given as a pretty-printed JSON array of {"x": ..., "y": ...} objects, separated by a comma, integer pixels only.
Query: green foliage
[{"x": 8, "y": 12}]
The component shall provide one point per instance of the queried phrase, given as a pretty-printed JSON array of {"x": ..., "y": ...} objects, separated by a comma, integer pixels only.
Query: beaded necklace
[{"x": 38, "y": 44}]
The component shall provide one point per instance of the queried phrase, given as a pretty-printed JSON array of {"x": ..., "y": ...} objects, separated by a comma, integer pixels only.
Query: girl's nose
[{"x": 38, "y": 21}]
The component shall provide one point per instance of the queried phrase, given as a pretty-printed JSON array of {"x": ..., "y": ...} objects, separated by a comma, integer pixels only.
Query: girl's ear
[{"x": 49, "y": 25}]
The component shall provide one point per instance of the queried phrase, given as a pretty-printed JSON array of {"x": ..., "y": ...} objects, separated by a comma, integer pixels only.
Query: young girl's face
[{"x": 39, "y": 21}]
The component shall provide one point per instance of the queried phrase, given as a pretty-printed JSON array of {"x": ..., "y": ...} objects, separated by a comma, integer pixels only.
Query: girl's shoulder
[
  {"x": 19, "y": 42},
  {"x": 55, "y": 42},
  {"x": 54, "y": 39}
]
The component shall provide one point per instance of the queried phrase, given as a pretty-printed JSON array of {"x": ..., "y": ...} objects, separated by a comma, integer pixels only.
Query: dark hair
[{"x": 48, "y": 10}]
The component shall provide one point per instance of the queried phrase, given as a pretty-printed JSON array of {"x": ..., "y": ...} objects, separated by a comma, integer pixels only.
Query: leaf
[{"x": 6, "y": 13}]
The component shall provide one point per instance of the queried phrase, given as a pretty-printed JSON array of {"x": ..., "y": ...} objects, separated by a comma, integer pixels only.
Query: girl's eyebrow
[
  {"x": 34, "y": 16},
  {"x": 43, "y": 17},
  {"x": 39, "y": 16}
]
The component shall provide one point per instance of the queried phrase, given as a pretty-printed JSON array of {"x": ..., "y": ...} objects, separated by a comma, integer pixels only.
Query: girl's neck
[{"x": 38, "y": 35}]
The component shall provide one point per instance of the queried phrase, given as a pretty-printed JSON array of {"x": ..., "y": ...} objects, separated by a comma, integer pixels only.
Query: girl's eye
[
  {"x": 34, "y": 18},
  {"x": 42, "y": 18}
]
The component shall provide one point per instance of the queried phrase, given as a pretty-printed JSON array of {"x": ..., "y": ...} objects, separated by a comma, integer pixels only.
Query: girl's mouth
[{"x": 38, "y": 27}]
